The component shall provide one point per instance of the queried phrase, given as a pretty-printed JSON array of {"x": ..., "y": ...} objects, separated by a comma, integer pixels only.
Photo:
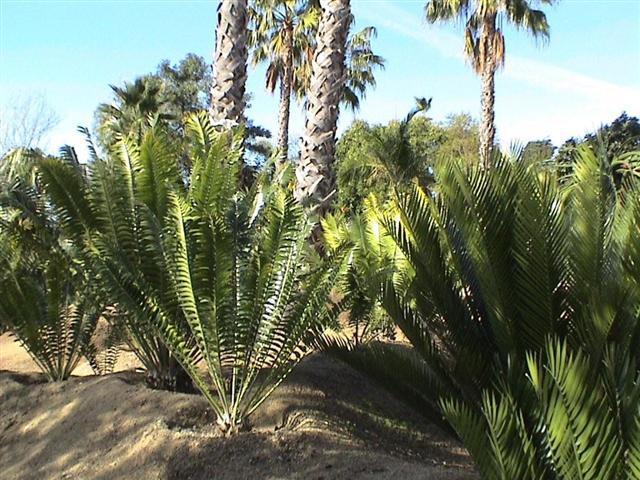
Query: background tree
[
  {"x": 230, "y": 63},
  {"x": 282, "y": 34},
  {"x": 170, "y": 93},
  {"x": 25, "y": 121},
  {"x": 460, "y": 138},
  {"x": 185, "y": 86},
  {"x": 619, "y": 137},
  {"x": 360, "y": 64},
  {"x": 538, "y": 151},
  {"x": 485, "y": 45},
  {"x": 363, "y": 148},
  {"x": 620, "y": 142},
  {"x": 315, "y": 175},
  {"x": 134, "y": 105}
]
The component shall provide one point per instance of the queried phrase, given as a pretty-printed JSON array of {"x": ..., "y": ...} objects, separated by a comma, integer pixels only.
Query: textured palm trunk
[
  {"x": 285, "y": 97},
  {"x": 315, "y": 173},
  {"x": 487, "y": 125},
  {"x": 230, "y": 63}
]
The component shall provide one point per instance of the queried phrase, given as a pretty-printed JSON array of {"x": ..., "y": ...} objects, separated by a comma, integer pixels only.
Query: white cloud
[{"x": 586, "y": 101}]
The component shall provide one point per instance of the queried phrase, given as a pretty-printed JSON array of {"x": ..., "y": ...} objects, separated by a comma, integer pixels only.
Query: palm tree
[
  {"x": 315, "y": 176},
  {"x": 484, "y": 43},
  {"x": 282, "y": 33},
  {"x": 132, "y": 107},
  {"x": 360, "y": 64},
  {"x": 230, "y": 63}
]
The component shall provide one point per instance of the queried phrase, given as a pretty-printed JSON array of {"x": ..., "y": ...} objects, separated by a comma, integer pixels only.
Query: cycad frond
[
  {"x": 218, "y": 276},
  {"x": 46, "y": 314},
  {"x": 498, "y": 261}
]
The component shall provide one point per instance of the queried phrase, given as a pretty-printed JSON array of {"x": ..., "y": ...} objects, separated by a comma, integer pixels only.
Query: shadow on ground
[{"x": 326, "y": 421}]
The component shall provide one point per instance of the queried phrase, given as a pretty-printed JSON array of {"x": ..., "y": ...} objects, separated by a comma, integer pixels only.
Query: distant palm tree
[
  {"x": 132, "y": 106},
  {"x": 282, "y": 34},
  {"x": 484, "y": 43},
  {"x": 315, "y": 176},
  {"x": 360, "y": 63},
  {"x": 230, "y": 63}
]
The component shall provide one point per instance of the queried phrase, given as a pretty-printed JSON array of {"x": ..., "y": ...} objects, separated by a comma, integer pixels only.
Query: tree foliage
[
  {"x": 619, "y": 143},
  {"x": 365, "y": 155},
  {"x": 168, "y": 96}
]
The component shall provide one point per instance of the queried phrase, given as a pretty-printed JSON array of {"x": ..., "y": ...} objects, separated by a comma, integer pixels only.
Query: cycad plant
[
  {"x": 108, "y": 213},
  {"x": 219, "y": 276},
  {"x": 519, "y": 284},
  {"x": 45, "y": 311},
  {"x": 371, "y": 262},
  {"x": 43, "y": 302},
  {"x": 565, "y": 416}
]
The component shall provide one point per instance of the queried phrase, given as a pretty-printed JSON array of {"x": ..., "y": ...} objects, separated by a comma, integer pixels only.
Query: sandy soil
[
  {"x": 325, "y": 422},
  {"x": 14, "y": 358}
]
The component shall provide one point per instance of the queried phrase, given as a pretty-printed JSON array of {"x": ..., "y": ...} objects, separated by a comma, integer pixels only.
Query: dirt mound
[{"x": 325, "y": 422}]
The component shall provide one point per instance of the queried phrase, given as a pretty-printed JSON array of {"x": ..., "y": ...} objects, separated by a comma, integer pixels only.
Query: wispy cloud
[
  {"x": 595, "y": 100},
  {"x": 389, "y": 15}
]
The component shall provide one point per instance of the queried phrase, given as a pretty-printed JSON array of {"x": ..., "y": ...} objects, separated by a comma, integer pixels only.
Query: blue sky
[{"x": 71, "y": 50}]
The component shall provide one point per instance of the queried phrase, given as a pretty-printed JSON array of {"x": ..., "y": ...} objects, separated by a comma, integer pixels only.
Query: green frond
[
  {"x": 66, "y": 187},
  {"x": 47, "y": 315},
  {"x": 209, "y": 276},
  {"x": 580, "y": 429}
]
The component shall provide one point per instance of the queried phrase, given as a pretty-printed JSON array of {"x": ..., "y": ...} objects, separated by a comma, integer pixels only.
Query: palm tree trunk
[
  {"x": 230, "y": 63},
  {"x": 285, "y": 97},
  {"x": 315, "y": 174},
  {"x": 489, "y": 65},
  {"x": 487, "y": 127}
]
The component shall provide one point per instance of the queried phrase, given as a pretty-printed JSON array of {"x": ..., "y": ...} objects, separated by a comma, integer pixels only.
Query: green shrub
[
  {"x": 111, "y": 215},
  {"x": 501, "y": 263},
  {"x": 220, "y": 276},
  {"x": 43, "y": 303},
  {"x": 42, "y": 308}
]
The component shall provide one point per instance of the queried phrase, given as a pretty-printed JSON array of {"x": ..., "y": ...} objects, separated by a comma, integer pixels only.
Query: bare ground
[{"x": 325, "y": 422}]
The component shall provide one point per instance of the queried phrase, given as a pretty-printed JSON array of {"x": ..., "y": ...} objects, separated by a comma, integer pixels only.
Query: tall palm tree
[
  {"x": 315, "y": 175},
  {"x": 230, "y": 63},
  {"x": 282, "y": 33},
  {"x": 484, "y": 43}
]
